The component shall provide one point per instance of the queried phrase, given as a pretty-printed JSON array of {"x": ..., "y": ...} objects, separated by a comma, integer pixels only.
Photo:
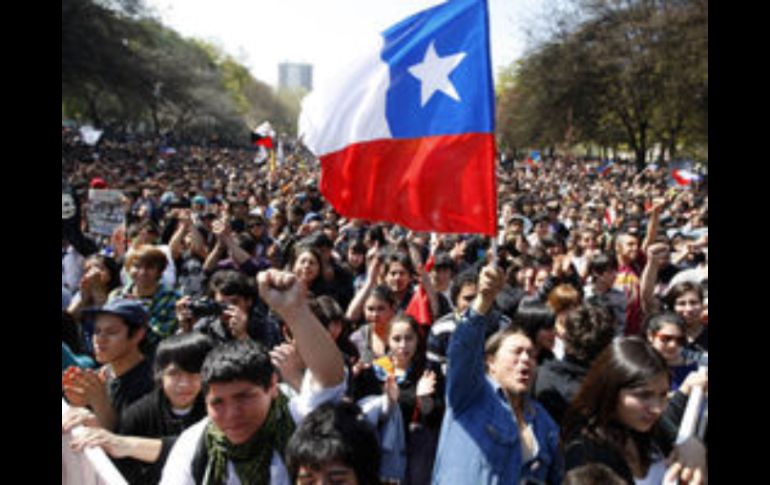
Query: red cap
[{"x": 98, "y": 183}]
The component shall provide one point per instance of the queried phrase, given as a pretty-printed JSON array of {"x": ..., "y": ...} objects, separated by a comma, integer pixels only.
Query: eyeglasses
[{"x": 664, "y": 338}]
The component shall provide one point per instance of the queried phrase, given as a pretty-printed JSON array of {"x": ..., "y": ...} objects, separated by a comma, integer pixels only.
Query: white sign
[
  {"x": 90, "y": 134},
  {"x": 105, "y": 211}
]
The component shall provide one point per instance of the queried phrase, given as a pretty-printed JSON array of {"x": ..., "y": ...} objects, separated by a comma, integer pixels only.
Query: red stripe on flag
[
  {"x": 266, "y": 142},
  {"x": 419, "y": 307},
  {"x": 439, "y": 183},
  {"x": 679, "y": 179}
]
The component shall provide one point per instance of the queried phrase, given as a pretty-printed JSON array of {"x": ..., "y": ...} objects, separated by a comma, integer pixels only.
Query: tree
[
  {"x": 629, "y": 73},
  {"x": 121, "y": 67}
]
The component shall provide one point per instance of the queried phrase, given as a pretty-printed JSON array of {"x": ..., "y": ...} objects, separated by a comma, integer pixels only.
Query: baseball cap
[
  {"x": 312, "y": 216},
  {"x": 131, "y": 311},
  {"x": 98, "y": 183}
]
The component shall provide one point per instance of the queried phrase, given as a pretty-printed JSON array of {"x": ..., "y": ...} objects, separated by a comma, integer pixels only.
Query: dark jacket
[
  {"x": 556, "y": 384},
  {"x": 262, "y": 327}
]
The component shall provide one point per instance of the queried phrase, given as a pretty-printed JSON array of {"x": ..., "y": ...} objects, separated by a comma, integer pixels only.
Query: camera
[{"x": 204, "y": 307}]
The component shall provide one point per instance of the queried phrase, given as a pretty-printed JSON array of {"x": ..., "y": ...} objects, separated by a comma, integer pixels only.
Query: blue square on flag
[{"x": 434, "y": 59}]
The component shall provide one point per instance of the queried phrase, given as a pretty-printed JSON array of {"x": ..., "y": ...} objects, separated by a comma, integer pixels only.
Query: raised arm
[
  {"x": 652, "y": 224},
  {"x": 656, "y": 254},
  {"x": 214, "y": 256},
  {"x": 198, "y": 244},
  {"x": 356, "y": 307},
  {"x": 287, "y": 297},
  {"x": 465, "y": 356}
]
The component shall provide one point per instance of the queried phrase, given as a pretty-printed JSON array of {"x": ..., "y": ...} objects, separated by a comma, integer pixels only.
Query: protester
[
  {"x": 232, "y": 311},
  {"x": 587, "y": 330},
  {"x": 101, "y": 275},
  {"x": 603, "y": 272},
  {"x": 126, "y": 374},
  {"x": 667, "y": 332},
  {"x": 418, "y": 393},
  {"x": 614, "y": 419},
  {"x": 371, "y": 338},
  {"x": 398, "y": 272},
  {"x": 492, "y": 431},
  {"x": 145, "y": 265},
  {"x": 331, "y": 316},
  {"x": 561, "y": 300},
  {"x": 334, "y": 444},
  {"x": 249, "y": 421},
  {"x": 306, "y": 263},
  {"x": 538, "y": 321},
  {"x": 146, "y": 233},
  {"x": 686, "y": 299},
  {"x": 258, "y": 214},
  {"x": 149, "y": 427}
]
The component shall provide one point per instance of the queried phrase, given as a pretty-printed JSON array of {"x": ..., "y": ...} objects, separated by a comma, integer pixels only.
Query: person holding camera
[{"x": 233, "y": 311}]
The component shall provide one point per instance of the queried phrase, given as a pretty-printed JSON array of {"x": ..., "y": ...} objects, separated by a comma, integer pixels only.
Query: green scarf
[{"x": 251, "y": 459}]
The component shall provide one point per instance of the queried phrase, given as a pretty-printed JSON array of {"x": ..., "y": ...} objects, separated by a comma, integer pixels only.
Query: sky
[{"x": 263, "y": 33}]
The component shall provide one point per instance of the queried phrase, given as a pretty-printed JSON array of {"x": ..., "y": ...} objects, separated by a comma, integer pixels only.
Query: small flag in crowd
[
  {"x": 684, "y": 177},
  {"x": 90, "y": 135},
  {"x": 419, "y": 306},
  {"x": 534, "y": 158},
  {"x": 604, "y": 168},
  {"x": 263, "y": 135},
  {"x": 407, "y": 136}
]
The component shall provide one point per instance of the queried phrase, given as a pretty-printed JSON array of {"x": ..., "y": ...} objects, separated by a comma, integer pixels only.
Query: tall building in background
[{"x": 292, "y": 76}]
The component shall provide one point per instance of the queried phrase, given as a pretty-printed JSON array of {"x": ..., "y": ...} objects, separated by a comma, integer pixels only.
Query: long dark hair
[
  {"x": 318, "y": 286},
  {"x": 627, "y": 363},
  {"x": 418, "y": 359}
]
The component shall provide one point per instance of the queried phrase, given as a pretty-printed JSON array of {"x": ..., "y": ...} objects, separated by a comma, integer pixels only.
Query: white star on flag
[{"x": 433, "y": 73}]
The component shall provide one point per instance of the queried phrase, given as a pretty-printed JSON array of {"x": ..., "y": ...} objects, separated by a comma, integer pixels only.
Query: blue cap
[
  {"x": 199, "y": 199},
  {"x": 312, "y": 216},
  {"x": 131, "y": 311}
]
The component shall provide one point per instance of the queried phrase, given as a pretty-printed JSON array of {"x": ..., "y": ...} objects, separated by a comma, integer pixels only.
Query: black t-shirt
[
  {"x": 151, "y": 417},
  {"x": 132, "y": 385}
]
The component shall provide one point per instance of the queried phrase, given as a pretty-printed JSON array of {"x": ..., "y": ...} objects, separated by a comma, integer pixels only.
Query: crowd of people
[{"x": 234, "y": 328}]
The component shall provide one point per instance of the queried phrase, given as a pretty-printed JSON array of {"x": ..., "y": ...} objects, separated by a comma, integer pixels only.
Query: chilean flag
[
  {"x": 605, "y": 167},
  {"x": 684, "y": 177},
  {"x": 407, "y": 135},
  {"x": 534, "y": 159},
  {"x": 263, "y": 135},
  {"x": 419, "y": 306}
]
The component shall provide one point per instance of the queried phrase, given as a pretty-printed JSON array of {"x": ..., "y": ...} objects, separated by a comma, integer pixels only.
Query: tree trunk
[{"x": 641, "y": 148}]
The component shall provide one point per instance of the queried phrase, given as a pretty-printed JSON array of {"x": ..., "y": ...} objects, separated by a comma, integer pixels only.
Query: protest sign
[{"x": 105, "y": 211}]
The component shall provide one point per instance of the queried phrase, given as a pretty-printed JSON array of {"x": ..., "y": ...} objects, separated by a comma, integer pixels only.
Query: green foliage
[
  {"x": 124, "y": 69},
  {"x": 633, "y": 73}
]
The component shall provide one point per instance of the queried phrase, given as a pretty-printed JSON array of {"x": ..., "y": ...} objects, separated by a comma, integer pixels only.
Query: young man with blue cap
[{"x": 126, "y": 374}]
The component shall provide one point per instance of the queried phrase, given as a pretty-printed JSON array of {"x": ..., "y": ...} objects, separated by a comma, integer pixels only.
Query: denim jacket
[{"x": 480, "y": 441}]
